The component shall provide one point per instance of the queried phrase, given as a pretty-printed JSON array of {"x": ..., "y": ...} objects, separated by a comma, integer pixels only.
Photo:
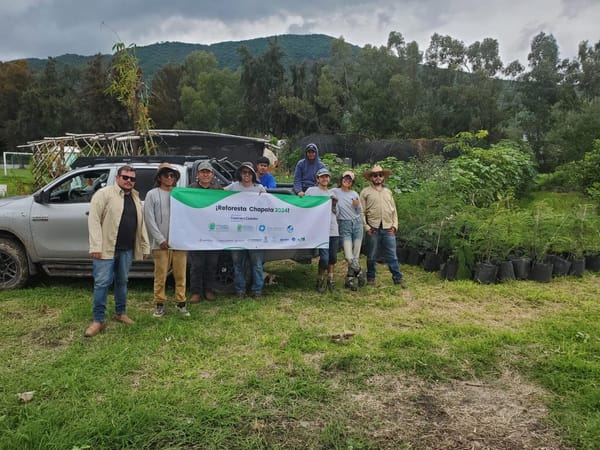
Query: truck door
[{"x": 59, "y": 225}]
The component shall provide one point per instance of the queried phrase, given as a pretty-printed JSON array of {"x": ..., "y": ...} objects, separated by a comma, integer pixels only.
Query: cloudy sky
[{"x": 42, "y": 28}]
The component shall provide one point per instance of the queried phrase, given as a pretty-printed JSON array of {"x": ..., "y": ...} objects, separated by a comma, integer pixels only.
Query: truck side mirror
[{"x": 42, "y": 197}]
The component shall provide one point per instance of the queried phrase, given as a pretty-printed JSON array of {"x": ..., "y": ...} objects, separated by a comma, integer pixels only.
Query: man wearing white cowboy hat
[{"x": 380, "y": 220}]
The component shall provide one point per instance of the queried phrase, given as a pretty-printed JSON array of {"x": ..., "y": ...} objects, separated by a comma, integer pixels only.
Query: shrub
[{"x": 480, "y": 175}]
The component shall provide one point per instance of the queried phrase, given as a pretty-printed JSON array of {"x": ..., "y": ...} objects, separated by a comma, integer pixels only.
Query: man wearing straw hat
[
  {"x": 157, "y": 213},
  {"x": 380, "y": 220}
]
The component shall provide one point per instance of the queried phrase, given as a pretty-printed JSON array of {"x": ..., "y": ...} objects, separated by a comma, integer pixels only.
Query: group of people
[
  {"x": 372, "y": 212},
  {"x": 121, "y": 229}
]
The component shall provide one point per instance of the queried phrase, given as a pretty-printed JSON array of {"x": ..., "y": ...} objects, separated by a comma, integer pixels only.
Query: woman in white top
[{"x": 349, "y": 215}]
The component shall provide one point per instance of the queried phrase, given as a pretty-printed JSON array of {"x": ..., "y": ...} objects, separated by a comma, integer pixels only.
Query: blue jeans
[
  {"x": 105, "y": 271},
  {"x": 384, "y": 240},
  {"x": 328, "y": 256},
  {"x": 351, "y": 235},
  {"x": 240, "y": 266}
]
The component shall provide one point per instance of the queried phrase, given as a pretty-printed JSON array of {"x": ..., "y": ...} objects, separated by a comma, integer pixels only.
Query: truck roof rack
[{"x": 84, "y": 161}]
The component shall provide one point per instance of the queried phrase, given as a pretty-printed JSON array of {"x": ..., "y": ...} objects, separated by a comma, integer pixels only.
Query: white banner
[{"x": 203, "y": 219}]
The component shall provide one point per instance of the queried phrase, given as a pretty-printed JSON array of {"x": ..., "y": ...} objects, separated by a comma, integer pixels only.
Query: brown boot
[
  {"x": 123, "y": 319},
  {"x": 210, "y": 296},
  {"x": 195, "y": 298},
  {"x": 94, "y": 329}
]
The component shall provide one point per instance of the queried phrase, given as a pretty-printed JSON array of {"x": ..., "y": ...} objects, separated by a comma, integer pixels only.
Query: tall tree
[
  {"x": 263, "y": 83},
  {"x": 447, "y": 52},
  {"x": 47, "y": 104},
  {"x": 99, "y": 111},
  {"x": 299, "y": 103},
  {"x": 484, "y": 58},
  {"x": 14, "y": 80},
  {"x": 210, "y": 98},
  {"x": 329, "y": 105},
  {"x": 376, "y": 111},
  {"x": 540, "y": 89},
  {"x": 589, "y": 77},
  {"x": 164, "y": 105},
  {"x": 405, "y": 87}
]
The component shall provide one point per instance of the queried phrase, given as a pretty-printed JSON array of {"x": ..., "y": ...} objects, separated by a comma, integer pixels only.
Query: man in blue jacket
[{"x": 305, "y": 174}]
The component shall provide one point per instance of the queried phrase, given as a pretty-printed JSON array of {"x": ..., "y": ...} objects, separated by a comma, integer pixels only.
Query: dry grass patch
[{"x": 506, "y": 413}]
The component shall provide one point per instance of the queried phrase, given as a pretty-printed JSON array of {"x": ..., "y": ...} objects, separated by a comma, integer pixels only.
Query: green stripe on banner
[
  {"x": 308, "y": 201},
  {"x": 200, "y": 198}
]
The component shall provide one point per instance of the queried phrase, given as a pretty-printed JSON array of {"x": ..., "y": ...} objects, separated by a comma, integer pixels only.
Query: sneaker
[
  {"x": 210, "y": 296},
  {"x": 256, "y": 294},
  {"x": 371, "y": 282},
  {"x": 360, "y": 276},
  {"x": 320, "y": 285},
  {"x": 195, "y": 299},
  {"x": 331, "y": 285},
  {"x": 159, "y": 311},
  {"x": 183, "y": 310},
  {"x": 350, "y": 283}
]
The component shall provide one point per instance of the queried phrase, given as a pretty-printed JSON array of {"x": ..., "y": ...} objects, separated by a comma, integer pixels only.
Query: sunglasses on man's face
[
  {"x": 127, "y": 178},
  {"x": 169, "y": 175},
  {"x": 377, "y": 175}
]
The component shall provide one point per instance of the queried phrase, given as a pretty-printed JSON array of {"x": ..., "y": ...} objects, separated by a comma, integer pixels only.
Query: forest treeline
[{"x": 397, "y": 91}]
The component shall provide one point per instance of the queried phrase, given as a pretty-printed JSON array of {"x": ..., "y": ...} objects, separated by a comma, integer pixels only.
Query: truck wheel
[{"x": 14, "y": 270}]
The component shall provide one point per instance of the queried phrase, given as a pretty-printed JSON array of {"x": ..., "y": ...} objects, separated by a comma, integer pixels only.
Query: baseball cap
[
  {"x": 205, "y": 165},
  {"x": 323, "y": 171}
]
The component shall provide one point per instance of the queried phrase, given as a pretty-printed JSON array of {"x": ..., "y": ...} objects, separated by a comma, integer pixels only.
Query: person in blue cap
[{"x": 327, "y": 256}]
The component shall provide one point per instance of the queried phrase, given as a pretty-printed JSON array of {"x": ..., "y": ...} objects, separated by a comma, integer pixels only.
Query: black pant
[{"x": 203, "y": 270}]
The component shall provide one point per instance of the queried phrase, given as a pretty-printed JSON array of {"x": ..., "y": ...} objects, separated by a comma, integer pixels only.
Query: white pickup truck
[{"x": 47, "y": 231}]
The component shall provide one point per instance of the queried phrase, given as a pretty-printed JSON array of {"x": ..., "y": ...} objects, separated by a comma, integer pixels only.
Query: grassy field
[
  {"x": 17, "y": 181},
  {"x": 439, "y": 365}
]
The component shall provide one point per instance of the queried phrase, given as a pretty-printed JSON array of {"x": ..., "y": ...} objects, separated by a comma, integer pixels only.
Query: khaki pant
[{"x": 163, "y": 260}]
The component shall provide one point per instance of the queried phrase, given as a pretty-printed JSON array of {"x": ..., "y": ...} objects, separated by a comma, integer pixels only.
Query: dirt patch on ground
[
  {"x": 407, "y": 412},
  {"x": 51, "y": 337}
]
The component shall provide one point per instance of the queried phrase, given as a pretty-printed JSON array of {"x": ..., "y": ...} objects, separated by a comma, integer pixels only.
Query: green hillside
[{"x": 297, "y": 49}]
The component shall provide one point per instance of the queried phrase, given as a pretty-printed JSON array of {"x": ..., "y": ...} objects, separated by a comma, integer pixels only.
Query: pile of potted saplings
[
  {"x": 501, "y": 243},
  {"x": 459, "y": 217}
]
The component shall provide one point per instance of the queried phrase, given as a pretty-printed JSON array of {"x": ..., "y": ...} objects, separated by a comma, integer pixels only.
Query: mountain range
[{"x": 296, "y": 48}]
